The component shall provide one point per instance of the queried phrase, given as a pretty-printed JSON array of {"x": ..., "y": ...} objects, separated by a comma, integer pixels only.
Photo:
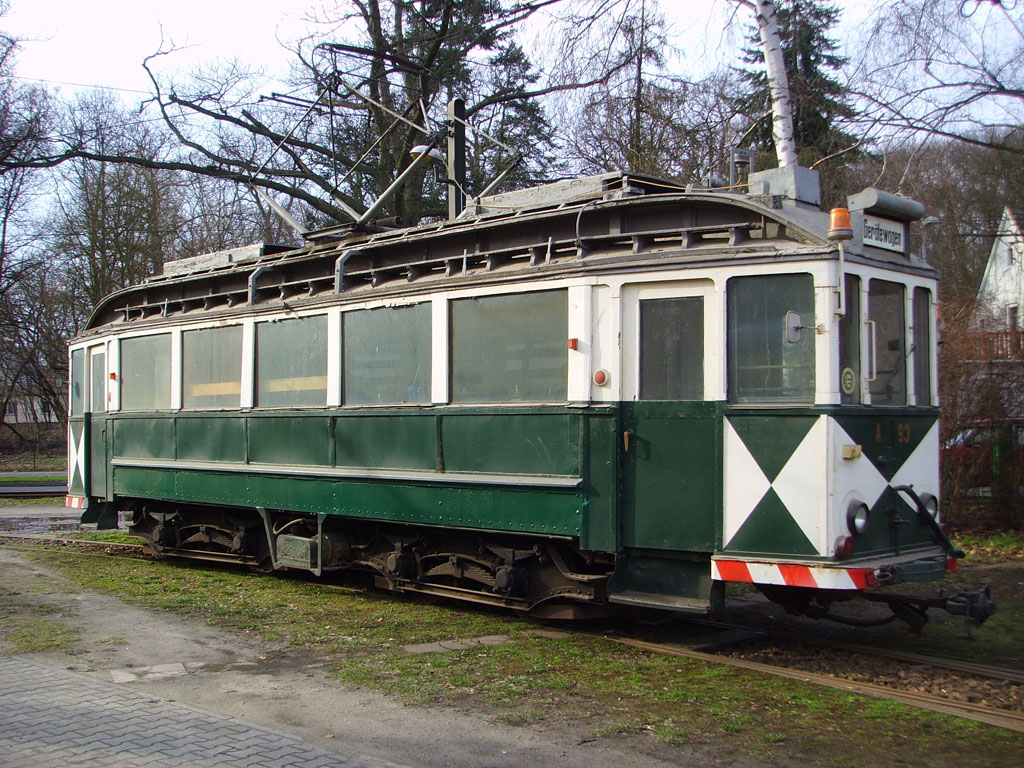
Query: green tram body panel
[{"x": 630, "y": 477}]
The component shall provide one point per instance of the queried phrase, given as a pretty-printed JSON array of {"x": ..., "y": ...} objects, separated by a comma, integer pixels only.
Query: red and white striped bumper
[
  {"x": 76, "y": 502},
  {"x": 787, "y": 575}
]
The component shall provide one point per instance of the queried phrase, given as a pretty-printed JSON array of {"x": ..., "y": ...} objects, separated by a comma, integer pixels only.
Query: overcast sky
[
  {"x": 68, "y": 43},
  {"x": 103, "y": 42}
]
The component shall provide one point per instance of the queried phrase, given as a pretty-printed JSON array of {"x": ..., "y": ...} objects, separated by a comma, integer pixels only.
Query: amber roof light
[{"x": 839, "y": 225}]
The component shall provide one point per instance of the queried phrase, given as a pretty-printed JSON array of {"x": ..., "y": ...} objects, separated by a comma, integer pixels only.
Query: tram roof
[{"x": 613, "y": 221}]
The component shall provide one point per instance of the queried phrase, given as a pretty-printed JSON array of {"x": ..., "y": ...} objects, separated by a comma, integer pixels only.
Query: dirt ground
[{"x": 178, "y": 659}]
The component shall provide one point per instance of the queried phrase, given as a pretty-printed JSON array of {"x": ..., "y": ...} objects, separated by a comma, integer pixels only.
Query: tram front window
[
  {"x": 771, "y": 339},
  {"x": 886, "y": 308},
  {"x": 922, "y": 347}
]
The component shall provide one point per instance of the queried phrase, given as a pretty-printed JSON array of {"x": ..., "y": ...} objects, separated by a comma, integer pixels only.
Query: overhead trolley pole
[{"x": 456, "y": 170}]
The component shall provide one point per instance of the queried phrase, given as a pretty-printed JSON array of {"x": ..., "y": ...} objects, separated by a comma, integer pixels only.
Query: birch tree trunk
[{"x": 778, "y": 82}]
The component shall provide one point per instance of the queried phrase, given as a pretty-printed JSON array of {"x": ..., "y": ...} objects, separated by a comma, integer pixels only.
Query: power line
[{"x": 78, "y": 85}]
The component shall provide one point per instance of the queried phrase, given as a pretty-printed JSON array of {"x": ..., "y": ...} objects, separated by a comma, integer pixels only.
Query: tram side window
[
  {"x": 146, "y": 373},
  {"x": 77, "y": 382},
  {"x": 672, "y": 348},
  {"x": 386, "y": 355},
  {"x": 849, "y": 344},
  {"x": 922, "y": 347},
  {"x": 887, "y": 308},
  {"x": 211, "y": 367},
  {"x": 510, "y": 348},
  {"x": 291, "y": 362},
  {"x": 97, "y": 382},
  {"x": 771, "y": 339}
]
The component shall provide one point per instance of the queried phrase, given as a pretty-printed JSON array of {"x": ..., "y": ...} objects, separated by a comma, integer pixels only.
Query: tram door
[
  {"x": 669, "y": 430},
  {"x": 97, "y": 417}
]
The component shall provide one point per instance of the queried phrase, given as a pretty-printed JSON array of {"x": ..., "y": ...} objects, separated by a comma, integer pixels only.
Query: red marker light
[
  {"x": 844, "y": 547},
  {"x": 600, "y": 377}
]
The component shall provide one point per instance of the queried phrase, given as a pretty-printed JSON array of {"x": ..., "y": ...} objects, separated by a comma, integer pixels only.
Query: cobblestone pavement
[{"x": 51, "y": 718}]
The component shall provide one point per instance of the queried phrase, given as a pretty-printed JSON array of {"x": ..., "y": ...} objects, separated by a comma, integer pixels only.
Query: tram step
[{"x": 661, "y": 602}]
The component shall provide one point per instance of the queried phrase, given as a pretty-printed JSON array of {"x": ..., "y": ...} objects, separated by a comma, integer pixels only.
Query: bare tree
[
  {"x": 949, "y": 68},
  {"x": 217, "y": 214},
  {"x": 24, "y": 110},
  {"x": 964, "y": 187},
  {"x": 684, "y": 132},
  {"x": 357, "y": 108},
  {"x": 114, "y": 223},
  {"x": 23, "y": 118}
]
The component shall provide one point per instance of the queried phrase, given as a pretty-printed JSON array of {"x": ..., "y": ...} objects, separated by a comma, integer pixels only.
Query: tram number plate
[{"x": 903, "y": 434}]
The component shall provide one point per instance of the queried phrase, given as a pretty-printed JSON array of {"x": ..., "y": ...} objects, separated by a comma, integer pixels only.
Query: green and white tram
[{"x": 607, "y": 391}]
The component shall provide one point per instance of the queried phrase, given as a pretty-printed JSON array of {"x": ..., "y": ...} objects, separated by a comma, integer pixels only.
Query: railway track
[
  {"x": 1009, "y": 719},
  {"x": 952, "y": 665},
  {"x": 31, "y": 490},
  {"x": 724, "y": 636}
]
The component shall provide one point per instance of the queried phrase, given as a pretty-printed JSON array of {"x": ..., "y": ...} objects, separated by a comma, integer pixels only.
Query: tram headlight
[
  {"x": 931, "y": 504},
  {"x": 857, "y": 517}
]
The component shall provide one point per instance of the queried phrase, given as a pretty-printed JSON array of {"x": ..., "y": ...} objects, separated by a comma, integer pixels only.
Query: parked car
[{"x": 985, "y": 454}]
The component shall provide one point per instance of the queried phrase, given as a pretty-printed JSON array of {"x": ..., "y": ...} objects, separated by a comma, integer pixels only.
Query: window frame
[
  {"x": 453, "y": 344},
  {"x": 326, "y": 317},
  {"x": 427, "y": 328},
  {"x": 182, "y": 333},
  {"x": 807, "y": 393},
  {"x": 906, "y": 291},
  {"x": 121, "y": 377}
]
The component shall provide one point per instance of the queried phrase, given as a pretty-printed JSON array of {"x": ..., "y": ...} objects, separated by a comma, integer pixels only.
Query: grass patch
[
  {"x": 33, "y": 479},
  {"x": 992, "y": 546},
  {"x": 36, "y": 635},
  {"x": 40, "y": 501},
  {"x": 29, "y": 624},
  {"x": 25, "y": 462},
  {"x": 110, "y": 536},
  {"x": 578, "y": 681}
]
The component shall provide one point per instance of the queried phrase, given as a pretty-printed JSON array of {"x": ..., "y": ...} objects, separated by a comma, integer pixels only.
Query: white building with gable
[{"x": 1001, "y": 295}]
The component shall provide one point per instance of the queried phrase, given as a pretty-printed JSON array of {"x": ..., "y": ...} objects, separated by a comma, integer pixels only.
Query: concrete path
[{"x": 51, "y": 718}]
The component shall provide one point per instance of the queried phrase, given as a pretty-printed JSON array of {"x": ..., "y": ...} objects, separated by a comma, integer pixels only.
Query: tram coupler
[{"x": 975, "y": 606}]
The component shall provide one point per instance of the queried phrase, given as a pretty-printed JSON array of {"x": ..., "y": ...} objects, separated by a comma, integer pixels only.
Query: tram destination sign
[{"x": 885, "y": 233}]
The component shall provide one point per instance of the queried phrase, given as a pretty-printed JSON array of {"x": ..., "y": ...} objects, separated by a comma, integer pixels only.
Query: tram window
[
  {"x": 211, "y": 367},
  {"x": 386, "y": 355},
  {"x": 98, "y": 382},
  {"x": 77, "y": 382},
  {"x": 291, "y": 362},
  {"x": 672, "y": 348},
  {"x": 849, "y": 344},
  {"x": 146, "y": 373},
  {"x": 771, "y": 339},
  {"x": 510, "y": 348},
  {"x": 922, "y": 347},
  {"x": 887, "y": 308}
]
